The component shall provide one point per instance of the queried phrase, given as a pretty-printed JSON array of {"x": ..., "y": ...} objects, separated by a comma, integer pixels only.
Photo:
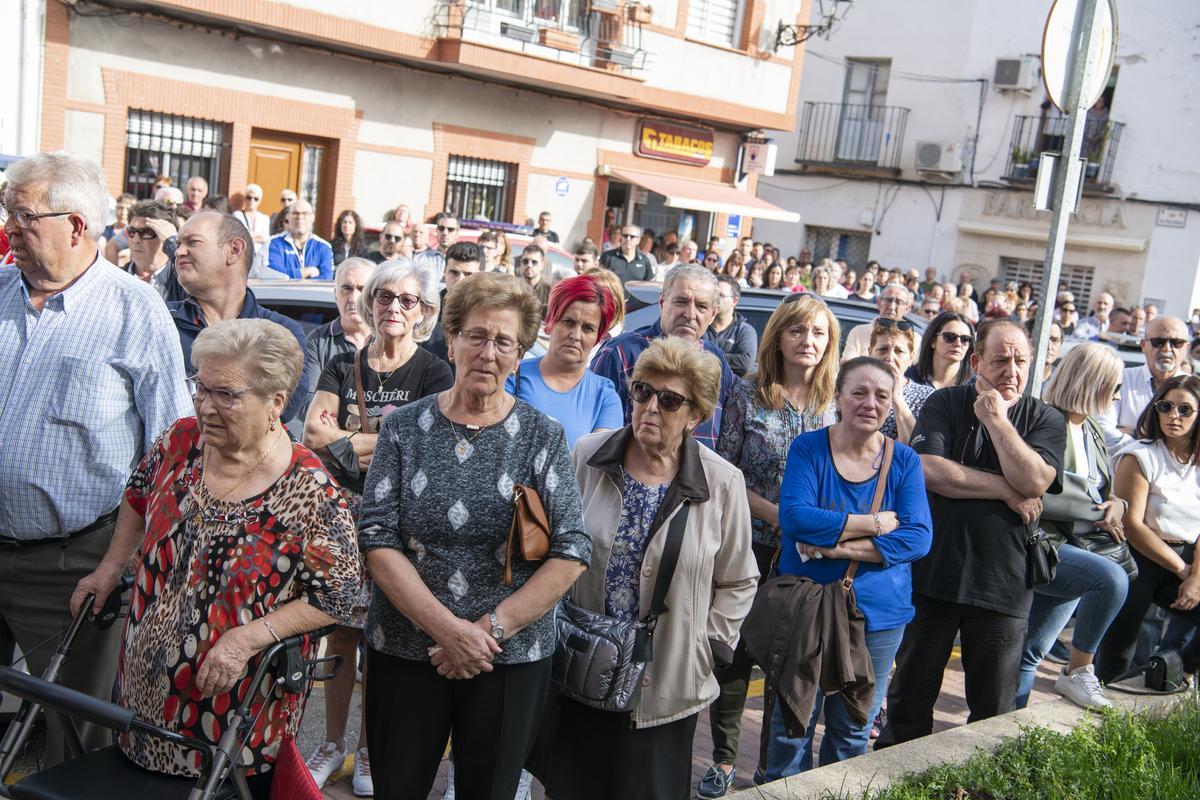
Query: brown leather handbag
[{"x": 530, "y": 529}]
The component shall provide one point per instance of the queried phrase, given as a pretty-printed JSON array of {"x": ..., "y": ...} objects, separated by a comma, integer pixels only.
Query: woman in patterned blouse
[
  {"x": 790, "y": 394},
  {"x": 453, "y": 649},
  {"x": 244, "y": 539}
]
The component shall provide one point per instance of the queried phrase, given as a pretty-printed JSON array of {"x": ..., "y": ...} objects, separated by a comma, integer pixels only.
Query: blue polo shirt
[{"x": 282, "y": 256}]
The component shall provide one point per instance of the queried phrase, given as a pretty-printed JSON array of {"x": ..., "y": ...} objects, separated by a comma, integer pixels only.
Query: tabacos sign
[{"x": 670, "y": 142}]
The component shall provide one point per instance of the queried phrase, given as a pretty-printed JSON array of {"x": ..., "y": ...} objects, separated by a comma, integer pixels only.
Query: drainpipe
[{"x": 29, "y": 85}]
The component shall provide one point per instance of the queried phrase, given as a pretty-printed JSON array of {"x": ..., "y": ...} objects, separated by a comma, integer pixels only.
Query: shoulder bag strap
[
  {"x": 889, "y": 448},
  {"x": 364, "y": 423},
  {"x": 666, "y": 566}
]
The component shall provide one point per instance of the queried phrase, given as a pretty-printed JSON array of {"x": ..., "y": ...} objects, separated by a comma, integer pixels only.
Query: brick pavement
[{"x": 950, "y": 711}]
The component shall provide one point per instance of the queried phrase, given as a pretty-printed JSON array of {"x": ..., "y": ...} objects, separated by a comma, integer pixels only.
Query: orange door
[{"x": 275, "y": 166}]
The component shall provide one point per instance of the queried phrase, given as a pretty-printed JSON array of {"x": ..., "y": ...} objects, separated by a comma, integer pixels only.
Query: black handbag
[
  {"x": 1041, "y": 558},
  {"x": 599, "y": 660},
  {"x": 1102, "y": 544}
]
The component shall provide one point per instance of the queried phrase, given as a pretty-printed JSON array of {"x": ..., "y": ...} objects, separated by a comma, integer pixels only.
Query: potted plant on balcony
[
  {"x": 559, "y": 39},
  {"x": 641, "y": 13},
  {"x": 1024, "y": 165}
]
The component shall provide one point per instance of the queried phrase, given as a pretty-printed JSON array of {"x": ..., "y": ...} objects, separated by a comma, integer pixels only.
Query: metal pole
[{"x": 1066, "y": 185}]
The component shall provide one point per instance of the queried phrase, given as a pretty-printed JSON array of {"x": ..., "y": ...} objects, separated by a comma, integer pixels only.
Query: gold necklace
[{"x": 221, "y": 497}]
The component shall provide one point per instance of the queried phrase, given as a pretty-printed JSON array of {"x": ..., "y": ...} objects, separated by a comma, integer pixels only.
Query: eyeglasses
[
  {"x": 225, "y": 398},
  {"x": 252, "y": 197},
  {"x": 630, "y": 236},
  {"x": 141, "y": 233},
  {"x": 883, "y": 301},
  {"x": 641, "y": 392},
  {"x": 888, "y": 324},
  {"x": 1159, "y": 342},
  {"x": 953, "y": 338},
  {"x": 446, "y": 229},
  {"x": 384, "y": 298},
  {"x": 477, "y": 340},
  {"x": 930, "y": 312},
  {"x": 24, "y": 218},
  {"x": 389, "y": 237},
  {"x": 1184, "y": 410}
]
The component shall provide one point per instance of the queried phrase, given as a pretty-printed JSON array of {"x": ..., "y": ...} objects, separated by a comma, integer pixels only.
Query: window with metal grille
[
  {"x": 1078, "y": 278},
  {"x": 180, "y": 147},
  {"x": 717, "y": 21},
  {"x": 850, "y": 246},
  {"x": 480, "y": 189},
  {"x": 310, "y": 172}
]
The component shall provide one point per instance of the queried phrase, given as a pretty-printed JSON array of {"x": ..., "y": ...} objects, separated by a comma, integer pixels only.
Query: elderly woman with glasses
[
  {"x": 460, "y": 633},
  {"x": 1159, "y": 478},
  {"x": 399, "y": 304},
  {"x": 241, "y": 539},
  {"x": 635, "y": 481}
]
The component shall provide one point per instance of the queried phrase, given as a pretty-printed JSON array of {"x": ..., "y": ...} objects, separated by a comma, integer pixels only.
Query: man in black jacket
[{"x": 730, "y": 331}]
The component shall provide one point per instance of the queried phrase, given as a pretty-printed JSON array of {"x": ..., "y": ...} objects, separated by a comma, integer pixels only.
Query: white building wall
[{"x": 21, "y": 31}]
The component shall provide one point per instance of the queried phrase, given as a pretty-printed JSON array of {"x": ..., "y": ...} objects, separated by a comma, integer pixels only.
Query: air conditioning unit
[
  {"x": 1021, "y": 73},
  {"x": 937, "y": 157}
]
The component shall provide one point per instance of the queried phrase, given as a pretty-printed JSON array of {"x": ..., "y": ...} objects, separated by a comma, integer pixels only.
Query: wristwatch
[{"x": 497, "y": 630}]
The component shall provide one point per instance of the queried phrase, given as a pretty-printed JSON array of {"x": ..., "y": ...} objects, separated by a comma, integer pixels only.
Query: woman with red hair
[{"x": 579, "y": 313}]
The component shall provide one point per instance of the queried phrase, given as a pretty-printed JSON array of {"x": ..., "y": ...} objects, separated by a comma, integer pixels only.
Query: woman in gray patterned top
[{"x": 452, "y": 650}]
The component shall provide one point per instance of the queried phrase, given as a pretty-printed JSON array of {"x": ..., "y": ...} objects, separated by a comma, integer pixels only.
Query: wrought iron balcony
[
  {"x": 852, "y": 135},
  {"x": 1033, "y": 136}
]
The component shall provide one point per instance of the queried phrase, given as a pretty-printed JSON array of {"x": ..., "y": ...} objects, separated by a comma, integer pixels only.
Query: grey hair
[
  {"x": 65, "y": 183},
  {"x": 250, "y": 186},
  {"x": 390, "y": 273},
  {"x": 354, "y": 261},
  {"x": 908, "y": 298},
  {"x": 269, "y": 352},
  {"x": 690, "y": 272}
]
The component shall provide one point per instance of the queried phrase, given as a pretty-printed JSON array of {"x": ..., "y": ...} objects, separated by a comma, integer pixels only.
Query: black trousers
[
  {"x": 491, "y": 720},
  {"x": 1154, "y": 586},
  {"x": 725, "y": 713},
  {"x": 991, "y": 657}
]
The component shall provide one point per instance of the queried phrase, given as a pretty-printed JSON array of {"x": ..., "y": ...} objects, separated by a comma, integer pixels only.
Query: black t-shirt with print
[
  {"x": 978, "y": 552},
  {"x": 423, "y": 374}
]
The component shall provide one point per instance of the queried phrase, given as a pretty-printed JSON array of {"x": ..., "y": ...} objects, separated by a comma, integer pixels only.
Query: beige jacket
[{"x": 714, "y": 581}]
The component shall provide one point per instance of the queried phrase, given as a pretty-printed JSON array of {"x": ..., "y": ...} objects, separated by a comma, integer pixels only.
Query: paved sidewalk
[{"x": 951, "y": 711}]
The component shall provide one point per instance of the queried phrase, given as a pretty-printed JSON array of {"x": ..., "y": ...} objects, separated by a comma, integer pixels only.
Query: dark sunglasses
[
  {"x": 630, "y": 236},
  {"x": 140, "y": 233},
  {"x": 392, "y": 238},
  {"x": 1160, "y": 342},
  {"x": 1166, "y": 407},
  {"x": 446, "y": 229},
  {"x": 641, "y": 392},
  {"x": 951, "y": 338},
  {"x": 385, "y": 298},
  {"x": 930, "y": 312},
  {"x": 887, "y": 324}
]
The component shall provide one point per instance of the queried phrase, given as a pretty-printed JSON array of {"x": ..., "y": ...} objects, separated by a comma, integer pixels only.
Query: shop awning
[{"x": 717, "y": 198}]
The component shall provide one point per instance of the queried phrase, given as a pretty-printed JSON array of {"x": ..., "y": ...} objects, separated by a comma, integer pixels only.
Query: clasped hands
[
  {"x": 888, "y": 522},
  {"x": 465, "y": 650}
]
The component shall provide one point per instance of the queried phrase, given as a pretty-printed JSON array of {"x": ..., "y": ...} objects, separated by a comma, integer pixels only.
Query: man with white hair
[
  {"x": 687, "y": 307},
  {"x": 298, "y": 252},
  {"x": 197, "y": 190},
  {"x": 893, "y": 303},
  {"x": 90, "y": 374},
  {"x": 1100, "y": 320}
]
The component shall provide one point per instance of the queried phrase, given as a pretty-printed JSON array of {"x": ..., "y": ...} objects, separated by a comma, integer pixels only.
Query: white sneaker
[
  {"x": 363, "y": 785},
  {"x": 326, "y": 761},
  {"x": 449, "y": 793},
  {"x": 1082, "y": 687},
  {"x": 525, "y": 787}
]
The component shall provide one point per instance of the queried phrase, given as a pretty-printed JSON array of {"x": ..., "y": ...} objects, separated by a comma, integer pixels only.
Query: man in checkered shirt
[{"x": 90, "y": 373}]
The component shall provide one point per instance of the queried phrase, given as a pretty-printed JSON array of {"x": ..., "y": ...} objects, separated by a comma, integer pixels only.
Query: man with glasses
[
  {"x": 543, "y": 228},
  {"x": 90, "y": 374},
  {"x": 446, "y": 225},
  {"x": 279, "y": 218},
  {"x": 213, "y": 256},
  {"x": 687, "y": 307},
  {"x": 151, "y": 226},
  {"x": 893, "y": 303},
  {"x": 298, "y": 252},
  {"x": 389, "y": 243},
  {"x": 1165, "y": 345},
  {"x": 931, "y": 307},
  {"x": 627, "y": 261}
]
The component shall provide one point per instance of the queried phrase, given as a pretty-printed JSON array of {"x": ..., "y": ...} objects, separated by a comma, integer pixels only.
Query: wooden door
[{"x": 275, "y": 165}]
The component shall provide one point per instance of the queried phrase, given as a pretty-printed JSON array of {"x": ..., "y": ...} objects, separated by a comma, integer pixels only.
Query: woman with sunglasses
[
  {"x": 894, "y": 343},
  {"x": 258, "y": 223},
  {"x": 457, "y": 648},
  {"x": 349, "y": 238},
  {"x": 712, "y": 261},
  {"x": 634, "y": 481},
  {"x": 1159, "y": 476},
  {"x": 944, "y": 358},
  {"x": 791, "y": 393},
  {"x": 399, "y": 304}
]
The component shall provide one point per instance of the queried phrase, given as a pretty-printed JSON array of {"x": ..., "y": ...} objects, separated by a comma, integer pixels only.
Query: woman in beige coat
[{"x": 633, "y": 481}]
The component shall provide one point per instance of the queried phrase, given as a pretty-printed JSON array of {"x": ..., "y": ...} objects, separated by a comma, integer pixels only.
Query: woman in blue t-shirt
[
  {"x": 824, "y": 515},
  {"x": 579, "y": 312}
]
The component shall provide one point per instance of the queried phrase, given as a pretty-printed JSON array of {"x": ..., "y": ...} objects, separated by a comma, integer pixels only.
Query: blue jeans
[
  {"x": 1093, "y": 583},
  {"x": 843, "y": 737}
]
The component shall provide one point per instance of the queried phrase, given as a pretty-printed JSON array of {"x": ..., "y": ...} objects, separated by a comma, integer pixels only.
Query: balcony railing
[
  {"x": 1035, "y": 135},
  {"x": 852, "y": 135},
  {"x": 599, "y": 33}
]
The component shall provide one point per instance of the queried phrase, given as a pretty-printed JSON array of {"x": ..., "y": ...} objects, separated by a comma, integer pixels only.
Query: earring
[{"x": 272, "y": 426}]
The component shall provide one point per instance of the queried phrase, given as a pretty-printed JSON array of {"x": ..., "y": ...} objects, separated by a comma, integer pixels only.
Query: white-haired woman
[
  {"x": 241, "y": 538},
  {"x": 399, "y": 303},
  {"x": 1091, "y": 585}
]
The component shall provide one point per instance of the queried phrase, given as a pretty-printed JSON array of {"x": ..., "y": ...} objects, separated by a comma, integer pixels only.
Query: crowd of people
[{"x": 260, "y": 482}]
